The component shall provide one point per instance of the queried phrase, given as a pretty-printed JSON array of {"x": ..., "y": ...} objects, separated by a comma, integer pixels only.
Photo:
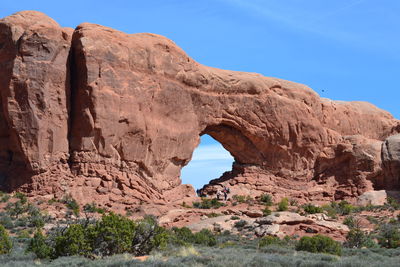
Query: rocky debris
[
  {"x": 375, "y": 198},
  {"x": 284, "y": 217},
  {"x": 318, "y": 217},
  {"x": 267, "y": 229},
  {"x": 220, "y": 224},
  {"x": 120, "y": 133},
  {"x": 277, "y": 224},
  {"x": 253, "y": 213}
]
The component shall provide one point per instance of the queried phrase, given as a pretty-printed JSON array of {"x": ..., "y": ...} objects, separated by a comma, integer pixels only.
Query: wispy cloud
[
  {"x": 299, "y": 17},
  {"x": 211, "y": 152}
]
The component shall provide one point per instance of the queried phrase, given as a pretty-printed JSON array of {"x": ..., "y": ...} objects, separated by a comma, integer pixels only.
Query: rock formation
[{"x": 113, "y": 117}]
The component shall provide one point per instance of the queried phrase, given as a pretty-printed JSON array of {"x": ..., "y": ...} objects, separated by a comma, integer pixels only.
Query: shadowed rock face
[
  {"x": 34, "y": 91},
  {"x": 137, "y": 104}
]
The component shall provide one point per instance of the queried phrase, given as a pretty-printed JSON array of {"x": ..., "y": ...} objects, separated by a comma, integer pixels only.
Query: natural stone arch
[{"x": 138, "y": 105}]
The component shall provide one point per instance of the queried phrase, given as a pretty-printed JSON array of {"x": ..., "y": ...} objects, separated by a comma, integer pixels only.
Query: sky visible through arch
[
  {"x": 209, "y": 161},
  {"x": 343, "y": 49}
]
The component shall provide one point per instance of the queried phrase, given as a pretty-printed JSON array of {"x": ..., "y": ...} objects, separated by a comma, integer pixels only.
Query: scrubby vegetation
[
  {"x": 319, "y": 244},
  {"x": 311, "y": 209},
  {"x": 283, "y": 205},
  {"x": 207, "y": 203},
  {"x": 266, "y": 199},
  {"x": 101, "y": 238}
]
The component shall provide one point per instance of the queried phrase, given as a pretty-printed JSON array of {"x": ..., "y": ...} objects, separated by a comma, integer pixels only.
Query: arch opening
[{"x": 209, "y": 161}]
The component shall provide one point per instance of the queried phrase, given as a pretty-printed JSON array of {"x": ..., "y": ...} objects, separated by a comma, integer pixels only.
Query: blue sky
[{"x": 348, "y": 48}]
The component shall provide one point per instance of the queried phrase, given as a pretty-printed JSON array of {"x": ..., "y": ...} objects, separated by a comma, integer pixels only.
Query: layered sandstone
[{"x": 135, "y": 108}]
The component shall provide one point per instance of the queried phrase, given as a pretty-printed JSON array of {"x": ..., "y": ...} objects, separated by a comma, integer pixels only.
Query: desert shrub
[
  {"x": 39, "y": 246},
  {"x": 73, "y": 241},
  {"x": 343, "y": 207},
  {"x": 330, "y": 211},
  {"x": 148, "y": 236},
  {"x": 71, "y": 204},
  {"x": 242, "y": 198},
  {"x": 17, "y": 208},
  {"x": 24, "y": 234},
  {"x": 6, "y": 221},
  {"x": 311, "y": 209},
  {"x": 35, "y": 217},
  {"x": 5, "y": 241},
  {"x": 283, "y": 204},
  {"x": 351, "y": 222},
  {"x": 111, "y": 235},
  {"x": 240, "y": 224},
  {"x": 92, "y": 208},
  {"x": 266, "y": 211},
  {"x": 356, "y": 238},
  {"x": 266, "y": 199},
  {"x": 389, "y": 236},
  {"x": 208, "y": 204},
  {"x": 205, "y": 237},
  {"x": 372, "y": 219},
  {"x": 319, "y": 244},
  {"x": 184, "y": 236},
  {"x": 270, "y": 240},
  {"x": 4, "y": 197},
  {"x": 213, "y": 215},
  {"x": 392, "y": 202},
  {"x": 234, "y": 217}
]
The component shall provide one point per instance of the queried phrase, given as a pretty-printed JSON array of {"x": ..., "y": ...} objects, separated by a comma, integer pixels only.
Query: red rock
[{"x": 136, "y": 109}]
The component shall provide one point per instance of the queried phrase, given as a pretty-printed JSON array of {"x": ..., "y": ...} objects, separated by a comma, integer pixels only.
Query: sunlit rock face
[{"x": 113, "y": 117}]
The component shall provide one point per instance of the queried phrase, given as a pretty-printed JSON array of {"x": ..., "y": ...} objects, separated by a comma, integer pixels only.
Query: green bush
[
  {"x": 184, "y": 236},
  {"x": 266, "y": 199},
  {"x": 311, "y": 209},
  {"x": 73, "y": 241},
  {"x": 392, "y": 202},
  {"x": 148, "y": 236},
  {"x": 283, "y": 204},
  {"x": 240, "y": 224},
  {"x": 343, "y": 207},
  {"x": 207, "y": 203},
  {"x": 266, "y": 211},
  {"x": 242, "y": 198},
  {"x": 319, "y": 244},
  {"x": 356, "y": 238},
  {"x": 17, "y": 208},
  {"x": 389, "y": 236},
  {"x": 113, "y": 234},
  {"x": 269, "y": 240},
  {"x": 205, "y": 237},
  {"x": 5, "y": 241},
  {"x": 36, "y": 218},
  {"x": 39, "y": 246},
  {"x": 92, "y": 208},
  {"x": 330, "y": 211},
  {"x": 351, "y": 222},
  {"x": 234, "y": 217},
  {"x": 4, "y": 198},
  {"x": 71, "y": 204}
]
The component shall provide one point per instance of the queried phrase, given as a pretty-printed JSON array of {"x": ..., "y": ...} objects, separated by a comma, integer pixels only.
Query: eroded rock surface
[
  {"x": 34, "y": 87},
  {"x": 135, "y": 108}
]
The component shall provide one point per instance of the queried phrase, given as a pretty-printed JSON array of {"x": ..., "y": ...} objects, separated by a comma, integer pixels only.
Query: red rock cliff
[{"x": 113, "y": 117}]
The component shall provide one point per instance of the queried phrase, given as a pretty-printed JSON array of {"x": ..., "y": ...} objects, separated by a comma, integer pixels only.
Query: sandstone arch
[{"x": 120, "y": 114}]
